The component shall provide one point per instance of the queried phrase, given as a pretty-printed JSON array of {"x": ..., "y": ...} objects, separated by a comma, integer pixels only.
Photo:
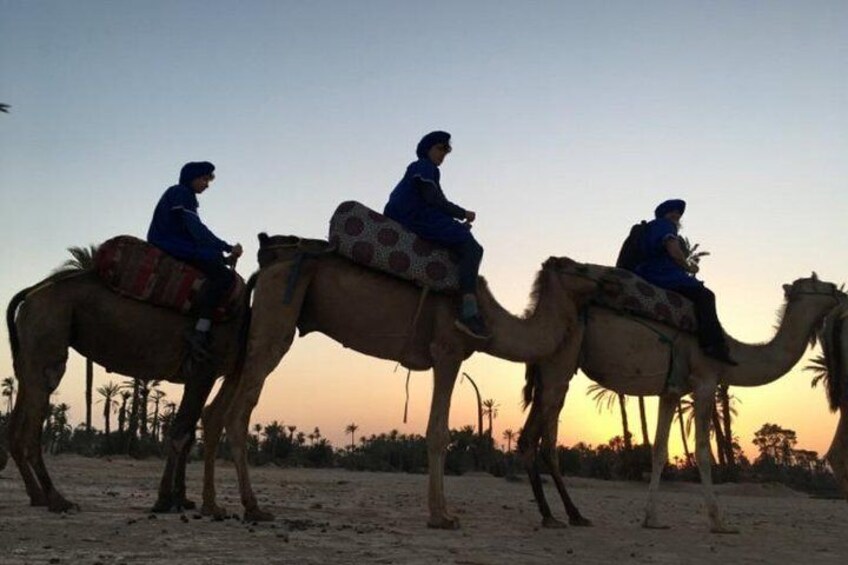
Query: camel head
[{"x": 813, "y": 287}]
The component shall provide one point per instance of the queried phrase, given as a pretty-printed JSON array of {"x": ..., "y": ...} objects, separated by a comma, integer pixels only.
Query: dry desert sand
[{"x": 336, "y": 516}]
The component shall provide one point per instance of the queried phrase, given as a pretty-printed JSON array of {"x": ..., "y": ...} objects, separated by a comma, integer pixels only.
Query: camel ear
[
  {"x": 815, "y": 277},
  {"x": 263, "y": 239},
  {"x": 786, "y": 289}
]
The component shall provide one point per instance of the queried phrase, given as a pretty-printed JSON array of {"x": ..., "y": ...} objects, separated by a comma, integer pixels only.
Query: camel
[
  {"x": 121, "y": 334},
  {"x": 372, "y": 313},
  {"x": 632, "y": 357},
  {"x": 834, "y": 341}
]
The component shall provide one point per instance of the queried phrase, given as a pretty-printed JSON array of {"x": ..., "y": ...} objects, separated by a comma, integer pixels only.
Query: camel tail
[
  {"x": 244, "y": 330},
  {"x": 20, "y": 298},
  {"x": 531, "y": 381},
  {"x": 11, "y": 314}
]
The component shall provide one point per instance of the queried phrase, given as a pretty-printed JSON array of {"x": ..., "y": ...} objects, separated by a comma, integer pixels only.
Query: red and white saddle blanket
[
  {"x": 633, "y": 295},
  {"x": 134, "y": 268},
  {"x": 375, "y": 241}
]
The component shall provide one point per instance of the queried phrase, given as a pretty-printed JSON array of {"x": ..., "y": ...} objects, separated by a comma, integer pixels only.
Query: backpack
[{"x": 632, "y": 253}]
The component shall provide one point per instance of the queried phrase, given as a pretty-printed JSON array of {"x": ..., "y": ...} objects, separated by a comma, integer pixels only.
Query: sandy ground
[{"x": 334, "y": 516}]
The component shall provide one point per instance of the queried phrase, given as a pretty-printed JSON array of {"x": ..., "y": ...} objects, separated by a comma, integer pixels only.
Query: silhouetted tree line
[{"x": 136, "y": 417}]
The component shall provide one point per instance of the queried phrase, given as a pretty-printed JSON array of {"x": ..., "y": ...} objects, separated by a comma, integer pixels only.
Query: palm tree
[
  {"x": 132, "y": 417},
  {"x": 89, "y": 386},
  {"x": 351, "y": 429},
  {"x": 724, "y": 442},
  {"x": 479, "y": 404},
  {"x": 82, "y": 259},
  {"x": 291, "y": 429},
  {"x": 725, "y": 402},
  {"x": 643, "y": 418},
  {"x": 272, "y": 432},
  {"x": 157, "y": 395},
  {"x": 9, "y": 391},
  {"x": 684, "y": 432},
  {"x": 605, "y": 398},
  {"x": 508, "y": 435},
  {"x": 122, "y": 412},
  {"x": 60, "y": 432},
  {"x": 144, "y": 400},
  {"x": 108, "y": 391},
  {"x": 490, "y": 409}
]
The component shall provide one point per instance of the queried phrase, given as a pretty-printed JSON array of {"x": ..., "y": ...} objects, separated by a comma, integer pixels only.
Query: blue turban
[
  {"x": 429, "y": 140},
  {"x": 191, "y": 171},
  {"x": 670, "y": 206}
]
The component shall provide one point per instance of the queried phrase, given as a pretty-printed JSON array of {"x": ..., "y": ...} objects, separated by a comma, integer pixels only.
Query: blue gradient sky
[{"x": 571, "y": 120}]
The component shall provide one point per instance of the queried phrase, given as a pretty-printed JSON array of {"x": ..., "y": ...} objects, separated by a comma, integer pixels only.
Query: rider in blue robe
[
  {"x": 419, "y": 204},
  {"x": 666, "y": 266}
]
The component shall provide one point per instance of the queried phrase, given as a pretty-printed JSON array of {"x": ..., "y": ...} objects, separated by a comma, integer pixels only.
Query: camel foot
[
  {"x": 58, "y": 503},
  {"x": 187, "y": 504},
  {"x": 553, "y": 523},
  {"x": 214, "y": 511},
  {"x": 723, "y": 530},
  {"x": 257, "y": 515},
  {"x": 443, "y": 523},
  {"x": 580, "y": 522},
  {"x": 164, "y": 504}
]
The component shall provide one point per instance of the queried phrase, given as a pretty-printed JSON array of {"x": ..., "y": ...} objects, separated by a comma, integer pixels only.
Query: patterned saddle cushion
[
  {"x": 636, "y": 296},
  {"x": 373, "y": 240},
  {"x": 134, "y": 268}
]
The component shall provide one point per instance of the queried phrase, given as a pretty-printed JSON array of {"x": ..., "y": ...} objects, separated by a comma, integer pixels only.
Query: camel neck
[
  {"x": 767, "y": 362},
  {"x": 535, "y": 335}
]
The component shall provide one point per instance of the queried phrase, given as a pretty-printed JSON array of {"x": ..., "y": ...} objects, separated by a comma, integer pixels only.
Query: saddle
[
  {"x": 633, "y": 295},
  {"x": 136, "y": 269},
  {"x": 375, "y": 241}
]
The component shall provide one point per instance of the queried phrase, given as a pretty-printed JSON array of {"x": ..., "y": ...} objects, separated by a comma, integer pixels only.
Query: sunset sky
[{"x": 570, "y": 122}]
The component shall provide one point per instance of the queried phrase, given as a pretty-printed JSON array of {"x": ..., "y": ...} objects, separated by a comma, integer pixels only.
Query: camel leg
[
  {"x": 659, "y": 457},
  {"x": 21, "y": 420},
  {"x": 33, "y": 406},
  {"x": 181, "y": 436},
  {"x": 554, "y": 388},
  {"x": 704, "y": 399},
  {"x": 575, "y": 518},
  {"x": 273, "y": 347},
  {"x": 445, "y": 369},
  {"x": 528, "y": 448},
  {"x": 272, "y": 331},
  {"x": 528, "y": 440},
  {"x": 213, "y": 426},
  {"x": 837, "y": 455}
]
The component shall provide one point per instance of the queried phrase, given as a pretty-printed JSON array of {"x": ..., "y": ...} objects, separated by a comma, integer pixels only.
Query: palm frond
[
  {"x": 818, "y": 366},
  {"x": 82, "y": 259}
]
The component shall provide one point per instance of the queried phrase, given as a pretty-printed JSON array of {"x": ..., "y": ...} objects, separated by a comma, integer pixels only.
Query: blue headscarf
[
  {"x": 670, "y": 206},
  {"x": 194, "y": 169},
  {"x": 429, "y": 140}
]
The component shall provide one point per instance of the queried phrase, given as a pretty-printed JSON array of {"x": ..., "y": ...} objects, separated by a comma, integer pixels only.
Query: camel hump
[
  {"x": 377, "y": 242},
  {"x": 136, "y": 269}
]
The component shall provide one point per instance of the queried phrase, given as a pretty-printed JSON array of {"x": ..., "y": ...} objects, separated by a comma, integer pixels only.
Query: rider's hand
[
  {"x": 693, "y": 268},
  {"x": 237, "y": 250},
  {"x": 470, "y": 216}
]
